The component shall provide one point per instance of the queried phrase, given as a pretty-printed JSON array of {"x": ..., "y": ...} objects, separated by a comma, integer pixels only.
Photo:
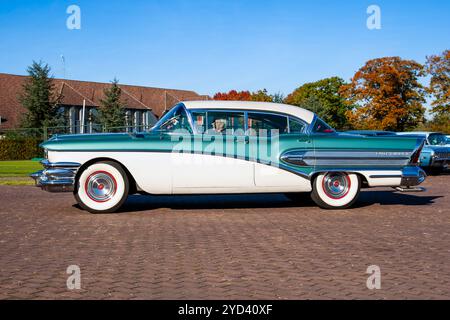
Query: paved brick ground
[{"x": 230, "y": 247}]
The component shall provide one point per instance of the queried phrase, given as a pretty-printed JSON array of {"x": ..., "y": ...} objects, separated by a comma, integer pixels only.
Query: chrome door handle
[{"x": 242, "y": 139}]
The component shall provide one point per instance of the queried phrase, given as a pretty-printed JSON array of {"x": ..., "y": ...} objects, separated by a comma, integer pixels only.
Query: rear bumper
[
  {"x": 56, "y": 177},
  {"x": 412, "y": 176}
]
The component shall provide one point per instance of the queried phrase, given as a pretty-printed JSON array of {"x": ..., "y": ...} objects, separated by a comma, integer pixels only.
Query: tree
[
  {"x": 323, "y": 98},
  {"x": 386, "y": 95},
  {"x": 112, "y": 110},
  {"x": 261, "y": 95},
  {"x": 233, "y": 95},
  {"x": 38, "y": 98},
  {"x": 439, "y": 123},
  {"x": 278, "y": 98},
  {"x": 438, "y": 67}
]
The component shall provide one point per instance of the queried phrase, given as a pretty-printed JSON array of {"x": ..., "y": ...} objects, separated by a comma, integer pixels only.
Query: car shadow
[
  {"x": 136, "y": 203},
  {"x": 383, "y": 197},
  {"x": 204, "y": 202}
]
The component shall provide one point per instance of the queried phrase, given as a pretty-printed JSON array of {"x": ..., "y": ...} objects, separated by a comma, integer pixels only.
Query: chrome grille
[{"x": 445, "y": 155}]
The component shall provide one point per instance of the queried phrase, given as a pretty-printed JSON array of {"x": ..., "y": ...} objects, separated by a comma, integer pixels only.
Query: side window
[
  {"x": 266, "y": 122},
  {"x": 222, "y": 122},
  {"x": 199, "y": 118},
  {"x": 296, "y": 126},
  {"x": 176, "y": 119},
  {"x": 321, "y": 127}
]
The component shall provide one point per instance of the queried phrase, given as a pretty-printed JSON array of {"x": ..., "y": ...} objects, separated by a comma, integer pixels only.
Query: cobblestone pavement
[{"x": 227, "y": 247}]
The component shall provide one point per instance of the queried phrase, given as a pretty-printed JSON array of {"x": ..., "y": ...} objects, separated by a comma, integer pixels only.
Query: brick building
[{"x": 143, "y": 104}]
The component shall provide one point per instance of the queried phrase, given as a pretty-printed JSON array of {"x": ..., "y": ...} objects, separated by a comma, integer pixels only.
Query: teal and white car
[{"x": 228, "y": 147}]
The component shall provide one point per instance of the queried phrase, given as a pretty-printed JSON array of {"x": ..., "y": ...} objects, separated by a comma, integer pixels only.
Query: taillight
[{"x": 416, "y": 155}]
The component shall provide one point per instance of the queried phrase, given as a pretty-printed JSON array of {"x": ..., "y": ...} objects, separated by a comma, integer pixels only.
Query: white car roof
[{"x": 295, "y": 111}]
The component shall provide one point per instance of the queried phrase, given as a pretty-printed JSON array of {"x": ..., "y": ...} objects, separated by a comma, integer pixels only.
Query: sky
[{"x": 217, "y": 45}]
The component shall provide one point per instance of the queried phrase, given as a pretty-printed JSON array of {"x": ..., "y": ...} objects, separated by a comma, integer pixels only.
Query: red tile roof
[{"x": 74, "y": 92}]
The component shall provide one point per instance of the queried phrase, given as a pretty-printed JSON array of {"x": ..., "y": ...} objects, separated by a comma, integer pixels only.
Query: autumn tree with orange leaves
[
  {"x": 233, "y": 95},
  {"x": 260, "y": 95},
  {"x": 386, "y": 95},
  {"x": 439, "y": 69}
]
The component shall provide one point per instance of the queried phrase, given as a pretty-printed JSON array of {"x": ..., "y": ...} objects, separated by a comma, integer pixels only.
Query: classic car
[
  {"x": 228, "y": 147},
  {"x": 435, "y": 155}
]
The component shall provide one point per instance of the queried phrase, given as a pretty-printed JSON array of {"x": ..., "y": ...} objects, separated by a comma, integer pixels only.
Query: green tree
[
  {"x": 262, "y": 96},
  {"x": 312, "y": 103},
  {"x": 39, "y": 99},
  {"x": 439, "y": 123},
  {"x": 323, "y": 98},
  {"x": 112, "y": 110},
  {"x": 278, "y": 98}
]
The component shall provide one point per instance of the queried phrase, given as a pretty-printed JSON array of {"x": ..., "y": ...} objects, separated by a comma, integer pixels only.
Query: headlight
[{"x": 46, "y": 154}]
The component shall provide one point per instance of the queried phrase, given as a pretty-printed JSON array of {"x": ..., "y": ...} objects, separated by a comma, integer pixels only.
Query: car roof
[{"x": 295, "y": 111}]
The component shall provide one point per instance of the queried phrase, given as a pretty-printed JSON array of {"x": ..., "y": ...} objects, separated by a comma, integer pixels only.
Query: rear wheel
[
  {"x": 102, "y": 187},
  {"x": 336, "y": 190}
]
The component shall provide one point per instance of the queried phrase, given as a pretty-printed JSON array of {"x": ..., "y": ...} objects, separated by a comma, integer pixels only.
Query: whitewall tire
[
  {"x": 102, "y": 187},
  {"x": 336, "y": 190}
]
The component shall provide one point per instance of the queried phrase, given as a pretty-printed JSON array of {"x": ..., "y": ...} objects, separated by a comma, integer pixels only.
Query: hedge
[{"x": 20, "y": 148}]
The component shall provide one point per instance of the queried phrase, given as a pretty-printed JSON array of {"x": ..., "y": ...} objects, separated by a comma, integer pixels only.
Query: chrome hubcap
[
  {"x": 336, "y": 185},
  {"x": 100, "y": 186}
]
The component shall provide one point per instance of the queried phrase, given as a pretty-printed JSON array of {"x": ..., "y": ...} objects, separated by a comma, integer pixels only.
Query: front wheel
[
  {"x": 336, "y": 190},
  {"x": 102, "y": 187}
]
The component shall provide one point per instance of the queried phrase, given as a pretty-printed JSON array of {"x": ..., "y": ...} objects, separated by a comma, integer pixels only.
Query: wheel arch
[
  {"x": 132, "y": 181},
  {"x": 363, "y": 178}
]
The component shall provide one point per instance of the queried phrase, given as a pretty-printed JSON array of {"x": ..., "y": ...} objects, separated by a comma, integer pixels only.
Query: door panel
[
  {"x": 215, "y": 162},
  {"x": 279, "y": 175}
]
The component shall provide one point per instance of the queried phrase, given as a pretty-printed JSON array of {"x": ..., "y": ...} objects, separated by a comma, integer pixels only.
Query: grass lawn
[{"x": 17, "y": 172}]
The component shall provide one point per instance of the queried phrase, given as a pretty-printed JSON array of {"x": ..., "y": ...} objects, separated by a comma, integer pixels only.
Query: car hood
[
  {"x": 441, "y": 148},
  {"x": 78, "y": 141}
]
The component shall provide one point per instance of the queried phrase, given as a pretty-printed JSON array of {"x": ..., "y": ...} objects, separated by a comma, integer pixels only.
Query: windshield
[
  {"x": 437, "y": 139},
  {"x": 175, "y": 119}
]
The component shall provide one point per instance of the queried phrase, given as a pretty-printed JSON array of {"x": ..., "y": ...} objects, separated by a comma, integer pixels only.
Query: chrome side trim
[
  {"x": 385, "y": 176},
  {"x": 332, "y": 158},
  {"x": 57, "y": 176},
  {"x": 47, "y": 164}
]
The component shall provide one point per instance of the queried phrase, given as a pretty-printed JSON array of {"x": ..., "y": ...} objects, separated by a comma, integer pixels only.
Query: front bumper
[
  {"x": 440, "y": 159},
  {"x": 56, "y": 177},
  {"x": 412, "y": 176},
  {"x": 440, "y": 163}
]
